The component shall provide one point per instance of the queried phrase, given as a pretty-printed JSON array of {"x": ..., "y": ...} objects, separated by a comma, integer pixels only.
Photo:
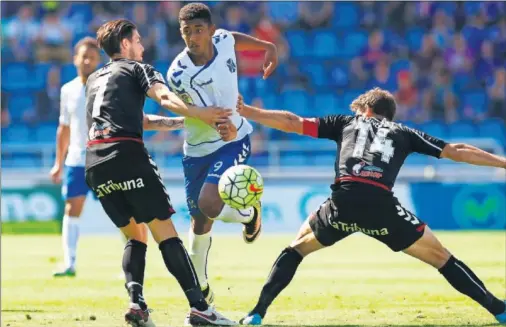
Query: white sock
[
  {"x": 198, "y": 250},
  {"x": 70, "y": 235},
  {"x": 231, "y": 215}
]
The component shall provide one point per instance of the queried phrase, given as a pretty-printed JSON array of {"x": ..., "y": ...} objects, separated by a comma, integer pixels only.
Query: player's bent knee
[
  {"x": 306, "y": 244},
  {"x": 162, "y": 230},
  {"x": 210, "y": 208}
]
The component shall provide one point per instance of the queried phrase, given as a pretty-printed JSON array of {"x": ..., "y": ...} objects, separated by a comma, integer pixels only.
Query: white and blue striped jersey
[{"x": 214, "y": 84}]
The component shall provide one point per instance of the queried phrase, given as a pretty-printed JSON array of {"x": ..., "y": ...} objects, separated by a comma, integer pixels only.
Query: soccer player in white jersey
[
  {"x": 204, "y": 74},
  {"x": 71, "y": 142}
]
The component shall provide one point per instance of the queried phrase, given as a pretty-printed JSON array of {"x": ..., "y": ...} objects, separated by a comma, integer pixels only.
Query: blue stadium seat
[
  {"x": 316, "y": 72},
  {"x": 299, "y": 45},
  {"x": 493, "y": 128},
  {"x": 414, "y": 38},
  {"x": 283, "y": 10},
  {"x": 417, "y": 159},
  {"x": 340, "y": 76},
  {"x": 293, "y": 158},
  {"x": 39, "y": 76},
  {"x": 19, "y": 104},
  {"x": 271, "y": 101},
  {"x": 346, "y": 14},
  {"x": 16, "y": 134},
  {"x": 476, "y": 100},
  {"x": 15, "y": 77},
  {"x": 462, "y": 129},
  {"x": 259, "y": 159},
  {"x": 296, "y": 101},
  {"x": 353, "y": 43},
  {"x": 68, "y": 73},
  {"x": 325, "y": 44},
  {"x": 435, "y": 128},
  {"x": 263, "y": 86},
  {"x": 325, "y": 103},
  {"x": 46, "y": 133},
  {"x": 348, "y": 98},
  {"x": 151, "y": 106}
]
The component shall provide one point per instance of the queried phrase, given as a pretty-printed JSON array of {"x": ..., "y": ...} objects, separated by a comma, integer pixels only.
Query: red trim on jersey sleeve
[{"x": 310, "y": 126}]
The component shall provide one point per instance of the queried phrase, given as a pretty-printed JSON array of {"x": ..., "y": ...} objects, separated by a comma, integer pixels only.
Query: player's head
[
  {"x": 197, "y": 28},
  {"x": 120, "y": 38},
  {"x": 86, "y": 56},
  {"x": 375, "y": 102}
]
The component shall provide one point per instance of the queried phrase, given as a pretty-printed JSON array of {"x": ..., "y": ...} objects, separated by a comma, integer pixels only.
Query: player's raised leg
[
  {"x": 429, "y": 250},
  {"x": 74, "y": 192}
]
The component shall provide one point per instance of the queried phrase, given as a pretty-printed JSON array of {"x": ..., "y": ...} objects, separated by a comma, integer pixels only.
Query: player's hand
[
  {"x": 228, "y": 131},
  {"x": 240, "y": 104},
  {"x": 271, "y": 60},
  {"x": 214, "y": 115},
  {"x": 55, "y": 174}
]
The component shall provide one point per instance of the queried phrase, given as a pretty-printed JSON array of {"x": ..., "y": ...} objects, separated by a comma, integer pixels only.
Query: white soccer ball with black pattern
[{"x": 241, "y": 186}]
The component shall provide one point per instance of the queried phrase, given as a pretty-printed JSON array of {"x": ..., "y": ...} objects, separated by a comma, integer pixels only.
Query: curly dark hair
[
  {"x": 195, "y": 10},
  {"x": 380, "y": 101},
  {"x": 110, "y": 35}
]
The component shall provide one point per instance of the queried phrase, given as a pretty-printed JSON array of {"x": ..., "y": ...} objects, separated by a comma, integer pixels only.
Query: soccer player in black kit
[
  {"x": 125, "y": 178},
  {"x": 372, "y": 151}
]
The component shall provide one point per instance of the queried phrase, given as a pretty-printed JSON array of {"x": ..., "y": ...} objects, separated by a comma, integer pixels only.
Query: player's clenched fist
[{"x": 214, "y": 115}]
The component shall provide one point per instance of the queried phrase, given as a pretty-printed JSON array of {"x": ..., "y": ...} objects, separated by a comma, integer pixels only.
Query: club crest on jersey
[
  {"x": 186, "y": 98},
  {"x": 363, "y": 170},
  {"x": 231, "y": 65}
]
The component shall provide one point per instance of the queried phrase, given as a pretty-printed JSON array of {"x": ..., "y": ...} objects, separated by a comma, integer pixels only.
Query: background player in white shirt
[
  {"x": 205, "y": 74},
  {"x": 71, "y": 142}
]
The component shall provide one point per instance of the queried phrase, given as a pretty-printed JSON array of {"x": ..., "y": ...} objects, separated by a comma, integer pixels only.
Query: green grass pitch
[{"x": 358, "y": 282}]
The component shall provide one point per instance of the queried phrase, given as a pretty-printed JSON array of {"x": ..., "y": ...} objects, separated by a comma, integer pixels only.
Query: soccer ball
[{"x": 241, "y": 186}]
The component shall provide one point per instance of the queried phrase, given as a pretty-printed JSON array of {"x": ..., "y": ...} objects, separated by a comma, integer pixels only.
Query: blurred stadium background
[{"x": 446, "y": 63}]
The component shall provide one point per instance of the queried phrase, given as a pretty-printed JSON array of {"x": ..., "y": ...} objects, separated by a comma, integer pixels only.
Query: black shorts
[
  {"x": 382, "y": 218},
  {"x": 130, "y": 186}
]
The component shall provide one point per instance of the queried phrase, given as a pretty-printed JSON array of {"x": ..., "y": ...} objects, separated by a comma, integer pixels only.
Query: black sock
[
  {"x": 134, "y": 263},
  {"x": 466, "y": 282},
  {"x": 280, "y": 276},
  {"x": 180, "y": 266}
]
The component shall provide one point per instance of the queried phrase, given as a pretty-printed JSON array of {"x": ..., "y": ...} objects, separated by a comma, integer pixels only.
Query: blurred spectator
[
  {"x": 100, "y": 16},
  {"x": 382, "y": 77},
  {"x": 370, "y": 13},
  {"x": 48, "y": 100},
  {"x": 374, "y": 51},
  {"x": 315, "y": 14},
  {"x": 475, "y": 33},
  {"x": 406, "y": 97},
  {"x": 251, "y": 62},
  {"x": 394, "y": 13},
  {"x": 497, "y": 94},
  {"x": 486, "y": 62},
  {"x": 21, "y": 33},
  {"x": 440, "y": 100},
  {"x": 459, "y": 58},
  {"x": 6, "y": 118},
  {"x": 425, "y": 59},
  {"x": 234, "y": 20},
  {"x": 442, "y": 29},
  {"x": 294, "y": 80},
  {"x": 54, "y": 39},
  {"x": 148, "y": 34},
  {"x": 170, "y": 20},
  {"x": 498, "y": 35}
]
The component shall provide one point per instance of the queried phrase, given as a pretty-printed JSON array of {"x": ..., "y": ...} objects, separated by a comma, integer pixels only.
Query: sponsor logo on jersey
[
  {"x": 352, "y": 228},
  {"x": 231, "y": 65},
  {"x": 98, "y": 131},
  {"x": 110, "y": 186},
  {"x": 363, "y": 170}
]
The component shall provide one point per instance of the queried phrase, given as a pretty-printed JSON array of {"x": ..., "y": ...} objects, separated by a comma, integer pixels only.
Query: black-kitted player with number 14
[{"x": 372, "y": 151}]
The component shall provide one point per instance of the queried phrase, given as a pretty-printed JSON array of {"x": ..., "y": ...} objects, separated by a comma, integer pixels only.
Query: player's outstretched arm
[
  {"x": 161, "y": 123},
  {"x": 279, "y": 119},
  {"x": 472, "y": 155},
  {"x": 244, "y": 42},
  {"x": 170, "y": 101}
]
